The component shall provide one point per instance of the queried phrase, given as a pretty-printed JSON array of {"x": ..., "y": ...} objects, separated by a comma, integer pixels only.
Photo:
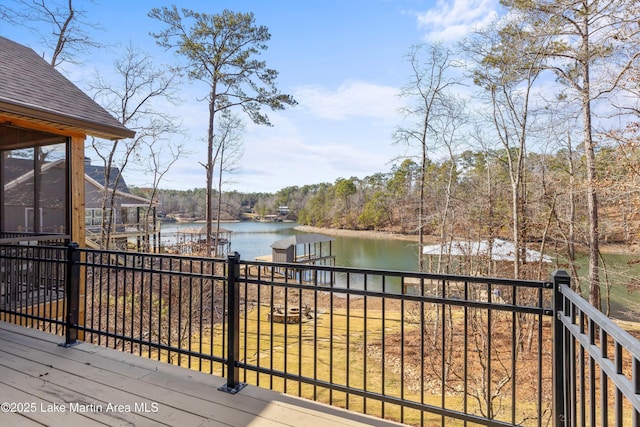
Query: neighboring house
[
  {"x": 133, "y": 219},
  {"x": 44, "y": 120}
]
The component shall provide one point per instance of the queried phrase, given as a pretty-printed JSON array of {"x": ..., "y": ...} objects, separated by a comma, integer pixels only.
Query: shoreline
[
  {"x": 367, "y": 234},
  {"x": 608, "y": 248}
]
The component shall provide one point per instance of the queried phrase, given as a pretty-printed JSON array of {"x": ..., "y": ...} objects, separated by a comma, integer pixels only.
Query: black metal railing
[
  {"x": 419, "y": 348},
  {"x": 162, "y": 307},
  {"x": 33, "y": 283},
  {"x": 597, "y": 364},
  {"x": 19, "y": 237}
]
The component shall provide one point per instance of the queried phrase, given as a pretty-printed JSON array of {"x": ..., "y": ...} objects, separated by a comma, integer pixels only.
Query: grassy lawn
[{"x": 334, "y": 348}]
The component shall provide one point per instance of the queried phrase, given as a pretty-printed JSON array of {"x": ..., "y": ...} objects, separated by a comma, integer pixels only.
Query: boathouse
[
  {"x": 192, "y": 240},
  {"x": 480, "y": 257},
  {"x": 306, "y": 248}
]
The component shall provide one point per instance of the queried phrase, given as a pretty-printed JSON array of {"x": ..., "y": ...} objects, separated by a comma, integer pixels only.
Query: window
[
  {"x": 34, "y": 179},
  {"x": 93, "y": 216}
]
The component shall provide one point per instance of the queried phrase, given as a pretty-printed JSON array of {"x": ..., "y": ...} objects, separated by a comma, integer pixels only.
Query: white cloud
[
  {"x": 331, "y": 133},
  {"x": 353, "y": 99},
  {"x": 451, "y": 20},
  {"x": 295, "y": 162}
]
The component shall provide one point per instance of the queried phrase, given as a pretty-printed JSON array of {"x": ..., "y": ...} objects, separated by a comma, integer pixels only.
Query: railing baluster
[
  {"x": 233, "y": 384},
  {"x": 560, "y": 278},
  {"x": 364, "y": 347},
  {"x": 604, "y": 384},
  {"x": 592, "y": 375},
  {"x": 348, "y": 342},
  {"x": 383, "y": 347},
  {"x": 315, "y": 338},
  {"x": 72, "y": 294},
  {"x": 271, "y": 327},
  {"x": 618, "y": 399},
  {"x": 246, "y": 325},
  {"x": 465, "y": 345},
  {"x": 635, "y": 377}
]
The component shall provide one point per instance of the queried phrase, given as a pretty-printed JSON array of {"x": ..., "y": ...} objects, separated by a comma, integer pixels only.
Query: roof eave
[{"x": 99, "y": 130}]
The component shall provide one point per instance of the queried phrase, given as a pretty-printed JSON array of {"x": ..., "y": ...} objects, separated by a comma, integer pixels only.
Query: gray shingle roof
[
  {"x": 300, "y": 239},
  {"x": 31, "y": 88},
  {"x": 97, "y": 173},
  {"x": 15, "y": 168}
]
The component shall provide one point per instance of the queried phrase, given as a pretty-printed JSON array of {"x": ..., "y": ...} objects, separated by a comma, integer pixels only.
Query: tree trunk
[
  {"x": 219, "y": 210},
  {"x": 592, "y": 194},
  {"x": 209, "y": 170},
  {"x": 421, "y": 208}
]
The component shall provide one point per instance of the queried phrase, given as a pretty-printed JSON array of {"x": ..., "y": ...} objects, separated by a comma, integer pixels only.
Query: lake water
[{"x": 254, "y": 239}]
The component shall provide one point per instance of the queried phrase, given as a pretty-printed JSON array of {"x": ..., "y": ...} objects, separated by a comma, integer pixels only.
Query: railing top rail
[
  {"x": 547, "y": 284},
  {"x": 150, "y": 255},
  {"x": 25, "y": 237},
  {"x": 609, "y": 326}
]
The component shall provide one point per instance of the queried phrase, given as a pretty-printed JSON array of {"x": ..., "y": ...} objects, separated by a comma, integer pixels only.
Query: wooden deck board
[
  {"x": 55, "y": 379},
  {"x": 32, "y": 409},
  {"x": 34, "y": 369}
]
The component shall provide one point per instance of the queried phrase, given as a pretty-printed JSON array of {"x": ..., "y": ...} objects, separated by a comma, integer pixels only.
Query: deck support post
[
  {"x": 233, "y": 384},
  {"x": 560, "y": 350}
]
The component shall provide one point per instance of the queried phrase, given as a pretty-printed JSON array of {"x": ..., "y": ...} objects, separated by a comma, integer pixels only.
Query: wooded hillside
[{"x": 480, "y": 193}]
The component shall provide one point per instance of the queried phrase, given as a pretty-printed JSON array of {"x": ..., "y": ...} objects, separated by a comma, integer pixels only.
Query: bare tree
[
  {"x": 131, "y": 99},
  {"x": 429, "y": 91},
  {"x": 587, "y": 45},
  {"x": 220, "y": 51},
  {"x": 508, "y": 80},
  {"x": 62, "y": 27},
  {"x": 452, "y": 119},
  {"x": 161, "y": 155},
  {"x": 228, "y": 152}
]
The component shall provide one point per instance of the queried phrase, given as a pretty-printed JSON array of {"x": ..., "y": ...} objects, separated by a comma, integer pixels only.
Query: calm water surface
[{"x": 253, "y": 239}]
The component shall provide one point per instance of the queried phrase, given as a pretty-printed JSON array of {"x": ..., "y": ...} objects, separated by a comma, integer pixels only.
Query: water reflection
[{"x": 254, "y": 239}]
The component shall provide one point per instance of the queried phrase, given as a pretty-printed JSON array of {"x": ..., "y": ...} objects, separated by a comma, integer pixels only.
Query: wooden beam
[
  {"x": 20, "y": 122},
  {"x": 76, "y": 188},
  {"x": 77, "y": 210}
]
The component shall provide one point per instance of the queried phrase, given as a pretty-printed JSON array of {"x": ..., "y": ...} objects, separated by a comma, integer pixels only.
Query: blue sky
[{"x": 342, "y": 60}]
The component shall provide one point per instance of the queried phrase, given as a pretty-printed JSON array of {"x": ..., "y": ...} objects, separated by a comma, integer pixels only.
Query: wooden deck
[{"x": 42, "y": 383}]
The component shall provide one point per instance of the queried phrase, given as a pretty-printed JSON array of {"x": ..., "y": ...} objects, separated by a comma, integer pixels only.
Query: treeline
[
  {"x": 470, "y": 197},
  {"x": 192, "y": 203},
  {"x": 467, "y": 197}
]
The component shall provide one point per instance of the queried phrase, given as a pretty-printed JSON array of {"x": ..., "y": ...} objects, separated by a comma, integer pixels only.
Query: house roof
[
  {"x": 16, "y": 170},
  {"x": 300, "y": 239},
  {"x": 27, "y": 175},
  {"x": 501, "y": 250},
  {"x": 32, "y": 89},
  {"x": 16, "y": 167},
  {"x": 97, "y": 174},
  {"x": 127, "y": 197},
  {"x": 202, "y": 230}
]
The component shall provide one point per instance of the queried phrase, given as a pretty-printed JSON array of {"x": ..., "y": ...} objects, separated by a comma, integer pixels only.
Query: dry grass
[{"x": 331, "y": 348}]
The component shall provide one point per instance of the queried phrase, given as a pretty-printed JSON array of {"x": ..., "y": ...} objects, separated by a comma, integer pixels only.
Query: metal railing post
[
  {"x": 560, "y": 277},
  {"x": 233, "y": 384},
  {"x": 72, "y": 294}
]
